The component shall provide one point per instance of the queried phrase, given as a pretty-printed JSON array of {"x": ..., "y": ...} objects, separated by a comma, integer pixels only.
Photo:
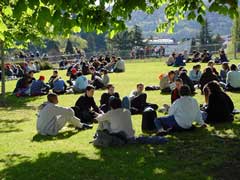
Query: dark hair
[
  {"x": 55, "y": 71},
  {"x": 115, "y": 103},
  {"x": 31, "y": 72},
  {"x": 185, "y": 90},
  {"x": 214, "y": 87},
  {"x": 51, "y": 97},
  {"x": 233, "y": 67},
  {"x": 79, "y": 73},
  {"x": 208, "y": 70},
  {"x": 89, "y": 87},
  {"x": 179, "y": 80},
  {"x": 104, "y": 71},
  {"x": 226, "y": 65}
]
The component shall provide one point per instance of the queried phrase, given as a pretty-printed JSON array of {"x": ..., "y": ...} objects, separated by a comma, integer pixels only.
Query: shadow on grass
[
  {"x": 13, "y": 102},
  {"x": 59, "y": 136},
  {"x": 202, "y": 154},
  {"x": 10, "y": 125}
]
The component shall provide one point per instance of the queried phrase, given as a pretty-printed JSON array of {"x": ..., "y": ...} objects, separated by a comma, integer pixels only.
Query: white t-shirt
[{"x": 119, "y": 120}]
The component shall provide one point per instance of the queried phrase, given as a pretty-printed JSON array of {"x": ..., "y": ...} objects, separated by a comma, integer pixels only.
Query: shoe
[
  {"x": 84, "y": 126},
  {"x": 87, "y": 126},
  {"x": 163, "y": 132}
]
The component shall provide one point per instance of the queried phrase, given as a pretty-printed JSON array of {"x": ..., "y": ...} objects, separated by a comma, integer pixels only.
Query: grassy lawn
[{"x": 211, "y": 153}]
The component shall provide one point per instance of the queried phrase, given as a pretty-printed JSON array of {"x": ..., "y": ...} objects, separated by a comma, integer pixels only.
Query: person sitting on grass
[
  {"x": 81, "y": 83},
  {"x": 171, "y": 60},
  {"x": 233, "y": 79},
  {"x": 195, "y": 74},
  {"x": 52, "y": 118},
  {"x": 179, "y": 61},
  {"x": 105, "y": 98},
  {"x": 86, "y": 108},
  {"x": 223, "y": 73},
  {"x": 39, "y": 88},
  {"x": 73, "y": 76},
  {"x": 219, "y": 106},
  {"x": 207, "y": 77},
  {"x": 186, "y": 80},
  {"x": 105, "y": 78},
  {"x": 182, "y": 113},
  {"x": 53, "y": 78},
  {"x": 176, "y": 92},
  {"x": 119, "y": 66},
  {"x": 96, "y": 78},
  {"x": 167, "y": 83},
  {"x": 59, "y": 86},
  {"x": 211, "y": 65},
  {"x": 138, "y": 100},
  {"x": 116, "y": 120},
  {"x": 223, "y": 57}
]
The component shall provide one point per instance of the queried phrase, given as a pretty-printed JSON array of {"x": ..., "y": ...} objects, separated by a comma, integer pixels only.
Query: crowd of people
[
  {"x": 114, "y": 113},
  {"x": 99, "y": 68},
  {"x": 180, "y": 59}
]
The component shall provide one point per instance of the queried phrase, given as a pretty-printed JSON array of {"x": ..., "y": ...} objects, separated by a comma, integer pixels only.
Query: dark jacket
[
  {"x": 206, "y": 78},
  {"x": 85, "y": 103},
  {"x": 187, "y": 81},
  {"x": 105, "y": 98},
  {"x": 220, "y": 107}
]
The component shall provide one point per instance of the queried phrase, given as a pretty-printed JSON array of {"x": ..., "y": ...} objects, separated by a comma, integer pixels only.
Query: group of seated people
[
  {"x": 114, "y": 114},
  {"x": 229, "y": 77},
  {"x": 179, "y": 59},
  {"x": 113, "y": 64},
  {"x": 77, "y": 83},
  {"x": 14, "y": 71}
]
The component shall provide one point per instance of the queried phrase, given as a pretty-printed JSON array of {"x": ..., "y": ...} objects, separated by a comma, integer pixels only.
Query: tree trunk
[
  {"x": 235, "y": 50},
  {"x": 2, "y": 100}
]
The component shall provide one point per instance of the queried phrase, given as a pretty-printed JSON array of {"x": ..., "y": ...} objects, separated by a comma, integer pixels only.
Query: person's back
[
  {"x": 233, "y": 79},
  {"x": 59, "y": 85},
  {"x": 120, "y": 65},
  {"x": 117, "y": 120},
  {"x": 220, "y": 107},
  {"x": 81, "y": 83},
  {"x": 195, "y": 75},
  {"x": 105, "y": 79},
  {"x": 36, "y": 87},
  {"x": 207, "y": 77},
  {"x": 185, "y": 111},
  {"x": 187, "y": 81}
]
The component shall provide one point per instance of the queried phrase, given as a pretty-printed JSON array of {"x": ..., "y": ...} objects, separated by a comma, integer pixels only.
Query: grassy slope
[{"x": 203, "y": 154}]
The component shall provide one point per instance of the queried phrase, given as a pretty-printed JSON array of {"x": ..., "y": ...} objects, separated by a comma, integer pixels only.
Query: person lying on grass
[
  {"x": 52, "y": 118},
  {"x": 182, "y": 113}
]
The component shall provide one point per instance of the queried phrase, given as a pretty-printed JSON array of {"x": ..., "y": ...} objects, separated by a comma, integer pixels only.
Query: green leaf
[
  {"x": 3, "y": 26},
  {"x": 7, "y": 11},
  {"x": 200, "y": 19},
  {"x": 76, "y": 29}
]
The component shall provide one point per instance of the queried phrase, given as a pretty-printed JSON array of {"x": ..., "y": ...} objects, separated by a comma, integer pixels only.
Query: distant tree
[
  {"x": 217, "y": 39},
  {"x": 205, "y": 34},
  {"x": 235, "y": 41},
  {"x": 69, "y": 48},
  {"x": 136, "y": 37}
]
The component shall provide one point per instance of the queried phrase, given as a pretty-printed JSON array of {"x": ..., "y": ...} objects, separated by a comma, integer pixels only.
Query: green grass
[{"x": 211, "y": 153}]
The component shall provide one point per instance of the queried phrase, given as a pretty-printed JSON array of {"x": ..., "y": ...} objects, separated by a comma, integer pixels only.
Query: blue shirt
[
  {"x": 194, "y": 76},
  {"x": 37, "y": 86},
  {"x": 81, "y": 83},
  {"x": 59, "y": 85}
]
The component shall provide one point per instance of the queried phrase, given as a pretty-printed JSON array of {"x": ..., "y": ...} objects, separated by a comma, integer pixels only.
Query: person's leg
[
  {"x": 139, "y": 102},
  {"x": 126, "y": 103},
  {"x": 104, "y": 108},
  {"x": 204, "y": 115},
  {"x": 164, "y": 122}
]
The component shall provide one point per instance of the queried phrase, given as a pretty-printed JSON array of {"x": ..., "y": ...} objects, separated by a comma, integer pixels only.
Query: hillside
[{"x": 184, "y": 29}]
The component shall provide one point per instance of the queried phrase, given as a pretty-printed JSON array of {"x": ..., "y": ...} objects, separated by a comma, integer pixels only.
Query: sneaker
[{"x": 84, "y": 126}]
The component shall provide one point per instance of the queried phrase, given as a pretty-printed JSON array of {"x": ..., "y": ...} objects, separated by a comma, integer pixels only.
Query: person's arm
[
  {"x": 117, "y": 95},
  {"x": 230, "y": 103},
  {"x": 94, "y": 106},
  {"x": 173, "y": 108},
  {"x": 103, "y": 117},
  {"x": 103, "y": 99},
  {"x": 198, "y": 118},
  {"x": 80, "y": 103},
  {"x": 228, "y": 78}
]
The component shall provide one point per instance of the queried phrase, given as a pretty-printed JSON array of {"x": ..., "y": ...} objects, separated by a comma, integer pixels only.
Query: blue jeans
[{"x": 167, "y": 122}]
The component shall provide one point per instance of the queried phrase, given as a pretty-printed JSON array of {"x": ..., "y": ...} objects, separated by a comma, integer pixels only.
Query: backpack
[
  {"x": 106, "y": 139},
  {"x": 148, "y": 116}
]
